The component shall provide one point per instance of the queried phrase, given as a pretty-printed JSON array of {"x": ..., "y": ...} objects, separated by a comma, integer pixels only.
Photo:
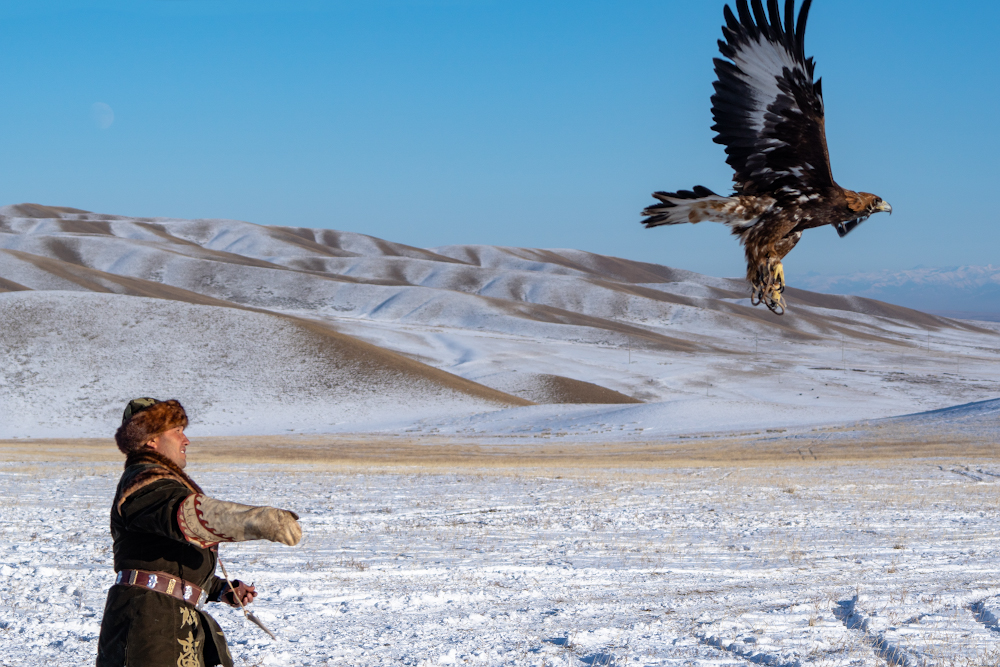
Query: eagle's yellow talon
[
  {"x": 778, "y": 284},
  {"x": 778, "y": 276},
  {"x": 769, "y": 287}
]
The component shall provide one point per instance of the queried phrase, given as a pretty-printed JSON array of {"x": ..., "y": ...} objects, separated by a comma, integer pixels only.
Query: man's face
[{"x": 172, "y": 444}]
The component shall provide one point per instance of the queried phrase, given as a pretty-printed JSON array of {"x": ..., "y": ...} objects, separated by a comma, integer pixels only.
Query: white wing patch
[{"x": 762, "y": 64}]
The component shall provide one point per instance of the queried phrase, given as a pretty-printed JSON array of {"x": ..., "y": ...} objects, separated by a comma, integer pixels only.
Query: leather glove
[
  {"x": 206, "y": 521},
  {"x": 244, "y": 592}
]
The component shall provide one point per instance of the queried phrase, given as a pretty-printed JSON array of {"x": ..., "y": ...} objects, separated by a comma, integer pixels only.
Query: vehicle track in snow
[
  {"x": 892, "y": 654},
  {"x": 747, "y": 652},
  {"x": 985, "y": 615}
]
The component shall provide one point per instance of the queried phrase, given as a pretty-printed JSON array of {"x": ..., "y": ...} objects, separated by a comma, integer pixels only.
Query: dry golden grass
[{"x": 435, "y": 453}]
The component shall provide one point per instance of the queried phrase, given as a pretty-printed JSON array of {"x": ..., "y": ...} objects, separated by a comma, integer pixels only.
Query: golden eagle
[{"x": 768, "y": 114}]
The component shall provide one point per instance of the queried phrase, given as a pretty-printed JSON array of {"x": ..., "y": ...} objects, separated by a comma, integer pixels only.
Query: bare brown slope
[
  {"x": 553, "y": 315},
  {"x": 66, "y": 248},
  {"x": 607, "y": 267},
  {"x": 42, "y": 212},
  {"x": 11, "y": 286},
  {"x": 331, "y": 242},
  {"x": 567, "y": 390},
  {"x": 305, "y": 238},
  {"x": 332, "y": 343},
  {"x": 374, "y": 358}
]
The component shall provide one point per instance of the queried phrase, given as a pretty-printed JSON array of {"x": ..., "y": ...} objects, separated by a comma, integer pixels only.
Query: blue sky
[{"x": 543, "y": 123}]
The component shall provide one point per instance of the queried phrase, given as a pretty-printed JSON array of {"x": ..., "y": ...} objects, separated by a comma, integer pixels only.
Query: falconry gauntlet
[{"x": 206, "y": 522}]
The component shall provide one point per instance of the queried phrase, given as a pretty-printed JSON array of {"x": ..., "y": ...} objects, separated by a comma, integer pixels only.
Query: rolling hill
[{"x": 350, "y": 332}]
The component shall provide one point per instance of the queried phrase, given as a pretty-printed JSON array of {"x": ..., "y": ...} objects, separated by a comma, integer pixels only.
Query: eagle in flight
[{"x": 768, "y": 113}]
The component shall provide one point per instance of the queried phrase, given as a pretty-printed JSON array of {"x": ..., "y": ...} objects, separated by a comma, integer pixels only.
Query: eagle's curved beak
[{"x": 884, "y": 206}]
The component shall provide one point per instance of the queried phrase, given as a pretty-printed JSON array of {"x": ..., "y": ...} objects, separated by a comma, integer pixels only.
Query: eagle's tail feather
[
  {"x": 693, "y": 205},
  {"x": 739, "y": 212}
]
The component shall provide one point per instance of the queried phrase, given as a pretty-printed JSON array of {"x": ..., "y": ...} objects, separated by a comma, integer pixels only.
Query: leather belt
[{"x": 161, "y": 582}]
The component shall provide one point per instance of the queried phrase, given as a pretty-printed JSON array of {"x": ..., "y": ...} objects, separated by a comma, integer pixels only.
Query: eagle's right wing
[{"x": 768, "y": 112}]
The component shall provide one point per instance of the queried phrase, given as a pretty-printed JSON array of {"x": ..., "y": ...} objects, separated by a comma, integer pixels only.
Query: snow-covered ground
[{"x": 809, "y": 564}]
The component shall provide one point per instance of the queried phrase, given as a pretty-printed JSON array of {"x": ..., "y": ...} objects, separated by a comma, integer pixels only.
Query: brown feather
[{"x": 859, "y": 202}]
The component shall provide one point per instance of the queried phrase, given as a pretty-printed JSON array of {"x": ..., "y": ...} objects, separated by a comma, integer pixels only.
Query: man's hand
[
  {"x": 276, "y": 525},
  {"x": 239, "y": 593}
]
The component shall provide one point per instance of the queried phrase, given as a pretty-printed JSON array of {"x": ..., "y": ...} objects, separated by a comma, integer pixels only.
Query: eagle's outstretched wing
[{"x": 768, "y": 112}]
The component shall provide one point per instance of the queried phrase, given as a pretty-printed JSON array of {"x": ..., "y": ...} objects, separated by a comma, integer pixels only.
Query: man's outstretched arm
[{"x": 206, "y": 522}]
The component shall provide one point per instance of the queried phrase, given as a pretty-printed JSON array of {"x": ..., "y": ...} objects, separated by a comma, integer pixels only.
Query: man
[{"x": 166, "y": 534}]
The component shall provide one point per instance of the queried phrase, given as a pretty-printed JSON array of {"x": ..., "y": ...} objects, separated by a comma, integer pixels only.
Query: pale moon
[{"x": 102, "y": 115}]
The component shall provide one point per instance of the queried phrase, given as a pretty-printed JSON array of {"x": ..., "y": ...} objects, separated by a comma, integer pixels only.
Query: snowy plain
[{"x": 847, "y": 564}]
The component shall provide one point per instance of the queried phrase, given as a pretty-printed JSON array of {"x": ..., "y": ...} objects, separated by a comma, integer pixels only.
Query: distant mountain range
[{"x": 970, "y": 292}]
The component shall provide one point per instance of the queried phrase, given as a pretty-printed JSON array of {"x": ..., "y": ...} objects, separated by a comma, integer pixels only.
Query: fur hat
[{"x": 146, "y": 418}]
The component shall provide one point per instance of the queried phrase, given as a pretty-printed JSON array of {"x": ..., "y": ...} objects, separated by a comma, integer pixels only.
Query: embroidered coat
[{"x": 143, "y": 628}]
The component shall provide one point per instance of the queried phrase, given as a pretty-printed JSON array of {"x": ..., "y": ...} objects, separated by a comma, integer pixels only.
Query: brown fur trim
[
  {"x": 149, "y": 423},
  {"x": 158, "y": 467}
]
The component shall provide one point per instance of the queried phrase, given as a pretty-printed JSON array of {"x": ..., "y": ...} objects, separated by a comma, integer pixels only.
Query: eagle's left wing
[{"x": 768, "y": 112}]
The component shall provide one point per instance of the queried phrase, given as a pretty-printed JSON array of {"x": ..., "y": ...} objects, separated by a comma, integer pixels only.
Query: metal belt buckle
[
  {"x": 202, "y": 599},
  {"x": 151, "y": 581}
]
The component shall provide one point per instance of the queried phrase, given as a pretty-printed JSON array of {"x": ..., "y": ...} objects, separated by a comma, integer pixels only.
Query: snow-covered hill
[
  {"x": 550, "y": 326},
  {"x": 69, "y": 358}
]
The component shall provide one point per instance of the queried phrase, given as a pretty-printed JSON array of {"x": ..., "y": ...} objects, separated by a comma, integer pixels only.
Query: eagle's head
[
  {"x": 860, "y": 205},
  {"x": 863, "y": 204}
]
